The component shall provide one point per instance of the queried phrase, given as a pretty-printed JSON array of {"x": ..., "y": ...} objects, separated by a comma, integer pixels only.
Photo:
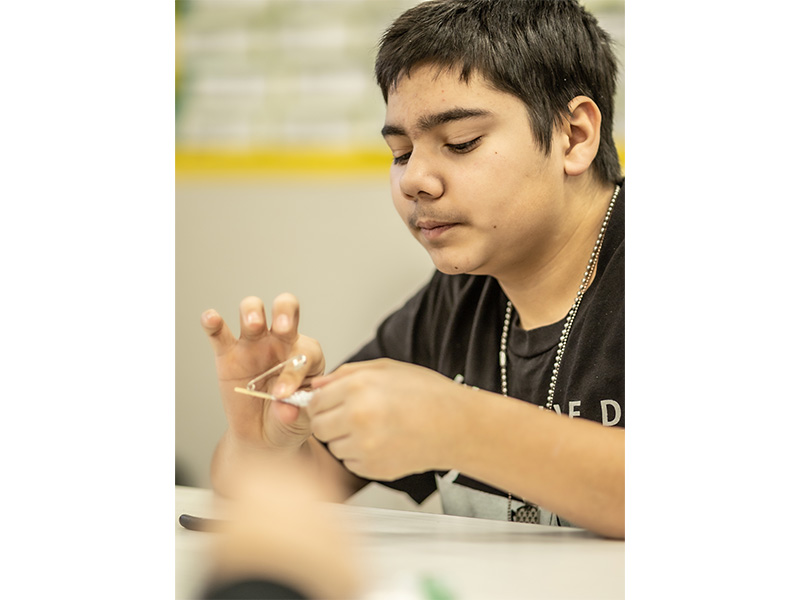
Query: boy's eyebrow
[{"x": 428, "y": 122}]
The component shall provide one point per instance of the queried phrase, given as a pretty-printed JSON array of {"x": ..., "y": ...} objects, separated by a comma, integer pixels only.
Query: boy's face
[{"x": 468, "y": 178}]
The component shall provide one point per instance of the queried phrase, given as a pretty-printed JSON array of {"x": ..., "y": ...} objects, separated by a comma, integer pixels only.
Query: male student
[{"x": 501, "y": 382}]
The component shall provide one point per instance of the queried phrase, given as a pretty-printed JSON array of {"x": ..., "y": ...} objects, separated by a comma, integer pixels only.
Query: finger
[
  {"x": 285, "y": 318},
  {"x": 326, "y": 399},
  {"x": 340, "y": 373},
  {"x": 217, "y": 331},
  {"x": 252, "y": 319},
  {"x": 297, "y": 372},
  {"x": 344, "y": 449},
  {"x": 291, "y": 377},
  {"x": 329, "y": 426}
]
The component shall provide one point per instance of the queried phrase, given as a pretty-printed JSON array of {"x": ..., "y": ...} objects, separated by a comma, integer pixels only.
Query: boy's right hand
[{"x": 254, "y": 422}]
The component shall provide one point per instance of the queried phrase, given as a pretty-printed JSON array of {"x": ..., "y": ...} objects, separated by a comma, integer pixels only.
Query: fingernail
[
  {"x": 281, "y": 323},
  {"x": 253, "y": 318},
  {"x": 298, "y": 362},
  {"x": 280, "y": 390}
]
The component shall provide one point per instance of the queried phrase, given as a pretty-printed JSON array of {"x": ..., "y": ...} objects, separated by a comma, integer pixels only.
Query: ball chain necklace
[{"x": 528, "y": 512}]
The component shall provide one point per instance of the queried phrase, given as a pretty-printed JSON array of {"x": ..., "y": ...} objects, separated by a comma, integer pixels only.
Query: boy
[{"x": 501, "y": 382}]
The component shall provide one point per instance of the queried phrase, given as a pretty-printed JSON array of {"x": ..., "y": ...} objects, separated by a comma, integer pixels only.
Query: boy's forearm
[{"x": 573, "y": 467}]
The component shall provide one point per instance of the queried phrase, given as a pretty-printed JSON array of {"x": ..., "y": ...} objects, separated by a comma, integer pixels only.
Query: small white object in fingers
[{"x": 300, "y": 398}]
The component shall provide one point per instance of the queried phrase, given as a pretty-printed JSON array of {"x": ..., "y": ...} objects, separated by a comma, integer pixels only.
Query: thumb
[
  {"x": 291, "y": 376},
  {"x": 285, "y": 413},
  {"x": 339, "y": 373}
]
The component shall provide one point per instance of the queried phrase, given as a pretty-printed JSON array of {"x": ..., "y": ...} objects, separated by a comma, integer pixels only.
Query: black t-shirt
[{"x": 454, "y": 324}]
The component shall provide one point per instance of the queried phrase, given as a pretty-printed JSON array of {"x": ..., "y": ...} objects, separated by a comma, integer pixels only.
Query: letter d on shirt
[{"x": 604, "y": 404}]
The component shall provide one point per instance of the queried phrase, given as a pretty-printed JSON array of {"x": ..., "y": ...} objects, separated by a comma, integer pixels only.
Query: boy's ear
[{"x": 581, "y": 131}]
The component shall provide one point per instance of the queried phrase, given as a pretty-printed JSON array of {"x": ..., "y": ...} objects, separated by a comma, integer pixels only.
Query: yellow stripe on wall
[
  {"x": 290, "y": 162},
  {"x": 281, "y": 162}
]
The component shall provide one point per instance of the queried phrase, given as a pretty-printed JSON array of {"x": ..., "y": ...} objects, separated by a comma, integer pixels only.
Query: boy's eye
[
  {"x": 401, "y": 160},
  {"x": 456, "y": 148},
  {"x": 465, "y": 147}
]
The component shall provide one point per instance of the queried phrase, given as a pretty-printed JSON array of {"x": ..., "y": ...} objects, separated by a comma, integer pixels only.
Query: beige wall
[{"x": 337, "y": 244}]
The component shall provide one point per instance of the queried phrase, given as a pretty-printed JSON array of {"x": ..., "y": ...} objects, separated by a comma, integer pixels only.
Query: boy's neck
[{"x": 544, "y": 291}]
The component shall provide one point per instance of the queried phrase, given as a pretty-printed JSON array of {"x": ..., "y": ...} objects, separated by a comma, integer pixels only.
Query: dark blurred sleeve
[{"x": 252, "y": 589}]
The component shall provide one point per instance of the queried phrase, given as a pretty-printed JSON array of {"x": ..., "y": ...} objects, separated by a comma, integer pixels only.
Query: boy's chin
[{"x": 460, "y": 268}]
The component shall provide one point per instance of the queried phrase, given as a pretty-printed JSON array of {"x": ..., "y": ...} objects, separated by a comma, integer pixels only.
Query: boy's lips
[{"x": 432, "y": 230}]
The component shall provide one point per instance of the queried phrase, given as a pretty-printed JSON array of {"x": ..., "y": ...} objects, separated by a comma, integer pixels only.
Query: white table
[{"x": 471, "y": 558}]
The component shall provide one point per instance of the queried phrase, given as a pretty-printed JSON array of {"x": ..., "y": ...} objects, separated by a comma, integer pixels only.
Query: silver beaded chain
[{"x": 562, "y": 344}]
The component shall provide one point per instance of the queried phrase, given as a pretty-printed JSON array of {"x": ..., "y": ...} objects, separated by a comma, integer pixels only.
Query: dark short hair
[{"x": 544, "y": 52}]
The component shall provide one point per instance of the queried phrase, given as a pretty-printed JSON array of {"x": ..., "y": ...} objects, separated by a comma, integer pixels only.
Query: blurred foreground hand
[{"x": 281, "y": 528}]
